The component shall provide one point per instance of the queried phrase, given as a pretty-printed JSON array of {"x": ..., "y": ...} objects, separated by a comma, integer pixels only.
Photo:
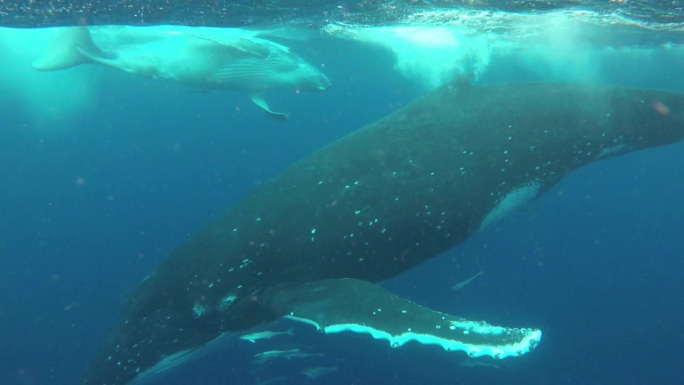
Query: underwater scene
[{"x": 336, "y": 192}]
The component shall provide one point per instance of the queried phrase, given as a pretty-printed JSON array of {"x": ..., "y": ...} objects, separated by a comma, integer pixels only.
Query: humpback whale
[
  {"x": 312, "y": 243},
  {"x": 229, "y": 61}
]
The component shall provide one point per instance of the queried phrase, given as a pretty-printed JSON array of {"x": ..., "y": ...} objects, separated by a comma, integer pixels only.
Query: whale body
[
  {"x": 232, "y": 60},
  {"x": 312, "y": 243}
]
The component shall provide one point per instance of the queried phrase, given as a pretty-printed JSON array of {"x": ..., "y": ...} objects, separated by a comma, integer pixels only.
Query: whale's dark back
[{"x": 419, "y": 181}]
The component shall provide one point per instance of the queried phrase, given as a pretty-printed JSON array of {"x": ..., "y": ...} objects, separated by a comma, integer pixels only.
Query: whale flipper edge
[{"x": 353, "y": 305}]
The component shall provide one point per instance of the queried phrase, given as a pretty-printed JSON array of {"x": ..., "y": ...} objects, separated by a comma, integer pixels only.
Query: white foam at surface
[{"x": 431, "y": 55}]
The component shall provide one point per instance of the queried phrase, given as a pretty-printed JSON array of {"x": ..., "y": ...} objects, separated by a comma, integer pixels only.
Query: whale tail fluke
[{"x": 73, "y": 47}]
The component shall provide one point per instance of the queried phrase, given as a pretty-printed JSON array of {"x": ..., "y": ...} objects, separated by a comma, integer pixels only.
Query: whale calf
[
  {"x": 312, "y": 243},
  {"x": 207, "y": 61}
]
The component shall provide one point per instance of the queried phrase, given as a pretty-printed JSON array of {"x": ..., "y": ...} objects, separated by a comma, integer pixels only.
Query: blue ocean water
[{"x": 102, "y": 179}]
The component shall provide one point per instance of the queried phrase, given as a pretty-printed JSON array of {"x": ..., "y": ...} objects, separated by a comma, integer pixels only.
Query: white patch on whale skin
[
  {"x": 225, "y": 302},
  {"x": 198, "y": 310},
  {"x": 612, "y": 151},
  {"x": 511, "y": 202}
]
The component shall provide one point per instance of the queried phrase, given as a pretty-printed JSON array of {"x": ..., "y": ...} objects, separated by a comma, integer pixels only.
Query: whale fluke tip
[{"x": 67, "y": 50}]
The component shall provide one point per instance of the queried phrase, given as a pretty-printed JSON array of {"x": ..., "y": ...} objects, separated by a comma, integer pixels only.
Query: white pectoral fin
[
  {"x": 68, "y": 50},
  {"x": 258, "y": 99},
  {"x": 351, "y": 305}
]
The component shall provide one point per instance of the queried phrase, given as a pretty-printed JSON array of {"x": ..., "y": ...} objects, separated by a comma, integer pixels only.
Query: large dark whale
[{"x": 311, "y": 243}]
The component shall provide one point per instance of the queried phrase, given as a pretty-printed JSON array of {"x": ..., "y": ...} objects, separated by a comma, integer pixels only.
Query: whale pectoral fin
[
  {"x": 258, "y": 99},
  {"x": 68, "y": 50},
  {"x": 338, "y": 305}
]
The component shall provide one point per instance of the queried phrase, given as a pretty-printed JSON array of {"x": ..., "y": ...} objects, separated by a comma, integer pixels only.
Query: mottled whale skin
[{"x": 310, "y": 243}]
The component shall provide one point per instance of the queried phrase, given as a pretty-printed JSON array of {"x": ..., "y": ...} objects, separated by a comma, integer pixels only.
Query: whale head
[
  {"x": 266, "y": 66},
  {"x": 308, "y": 78}
]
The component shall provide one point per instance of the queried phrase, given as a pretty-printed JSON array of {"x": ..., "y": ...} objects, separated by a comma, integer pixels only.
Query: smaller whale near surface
[
  {"x": 232, "y": 60},
  {"x": 312, "y": 243}
]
